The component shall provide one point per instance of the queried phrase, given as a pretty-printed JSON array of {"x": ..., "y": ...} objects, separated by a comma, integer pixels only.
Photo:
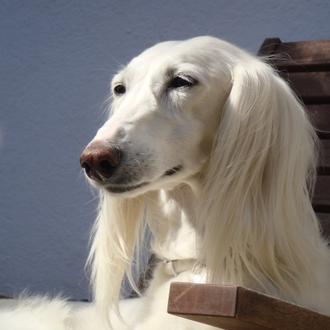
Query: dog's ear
[{"x": 255, "y": 209}]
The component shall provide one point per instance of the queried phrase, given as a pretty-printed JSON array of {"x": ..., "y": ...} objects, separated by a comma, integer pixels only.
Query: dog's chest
[{"x": 174, "y": 234}]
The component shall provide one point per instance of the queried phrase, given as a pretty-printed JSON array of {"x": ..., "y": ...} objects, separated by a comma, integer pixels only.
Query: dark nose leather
[{"x": 100, "y": 160}]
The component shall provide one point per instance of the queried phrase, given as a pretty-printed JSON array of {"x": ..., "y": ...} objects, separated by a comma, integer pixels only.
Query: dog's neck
[{"x": 172, "y": 224}]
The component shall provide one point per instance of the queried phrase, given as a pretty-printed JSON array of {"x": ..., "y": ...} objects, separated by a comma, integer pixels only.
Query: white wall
[{"x": 56, "y": 59}]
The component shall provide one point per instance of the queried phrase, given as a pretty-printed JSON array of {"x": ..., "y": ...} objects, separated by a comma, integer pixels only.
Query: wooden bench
[{"x": 306, "y": 66}]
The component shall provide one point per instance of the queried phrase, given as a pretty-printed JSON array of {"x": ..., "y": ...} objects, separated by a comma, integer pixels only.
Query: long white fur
[
  {"x": 113, "y": 247},
  {"x": 241, "y": 205}
]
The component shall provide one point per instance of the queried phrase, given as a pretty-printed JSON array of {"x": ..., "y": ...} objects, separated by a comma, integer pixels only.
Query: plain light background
[{"x": 56, "y": 61}]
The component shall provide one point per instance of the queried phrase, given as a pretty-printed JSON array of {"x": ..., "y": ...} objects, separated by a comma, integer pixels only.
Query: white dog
[{"x": 209, "y": 148}]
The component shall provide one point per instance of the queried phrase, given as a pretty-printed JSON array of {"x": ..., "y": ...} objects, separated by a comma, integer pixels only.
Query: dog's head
[
  {"x": 166, "y": 106},
  {"x": 204, "y": 109}
]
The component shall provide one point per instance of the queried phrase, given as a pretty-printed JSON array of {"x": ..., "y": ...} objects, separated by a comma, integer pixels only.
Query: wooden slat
[
  {"x": 319, "y": 115},
  {"x": 324, "y": 158},
  {"x": 209, "y": 304},
  {"x": 306, "y": 51},
  {"x": 325, "y": 224},
  {"x": 216, "y": 299},
  {"x": 321, "y": 198},
  {"x": 312, "y": 87},
  {"x": 298, "y": 56},
  {"x": 286, "y": 65},
  {"x": 324, "y": 219},
  {"x": 269, "y": 46},
  {"x": 237, "y": 308},
  {"x": 277, "y": 314}
]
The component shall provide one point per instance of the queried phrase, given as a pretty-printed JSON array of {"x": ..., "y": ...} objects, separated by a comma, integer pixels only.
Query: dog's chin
[
  {"x": 169, "y": 179},
  {"x": 130, "y": 190}
]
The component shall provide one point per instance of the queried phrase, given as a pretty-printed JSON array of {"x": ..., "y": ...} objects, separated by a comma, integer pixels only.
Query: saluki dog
[{"x": 210, "y": 151}]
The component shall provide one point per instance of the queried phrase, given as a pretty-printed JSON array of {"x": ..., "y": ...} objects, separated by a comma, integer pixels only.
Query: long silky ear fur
[
  {"x": 116, "y": 237},
  {"x": 255, "y": 213}
]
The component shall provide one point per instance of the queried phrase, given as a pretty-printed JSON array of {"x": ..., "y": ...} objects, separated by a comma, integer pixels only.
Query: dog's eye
[
  {"x": 119, "y": 89},
  {"x": 182, "y": 81}
]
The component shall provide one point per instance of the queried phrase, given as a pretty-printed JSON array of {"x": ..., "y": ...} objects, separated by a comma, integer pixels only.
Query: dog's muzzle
[{"x": 100, "y": 161}]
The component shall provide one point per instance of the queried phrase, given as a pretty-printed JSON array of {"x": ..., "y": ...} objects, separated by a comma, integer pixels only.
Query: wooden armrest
[{"x": 238, "y": 308}]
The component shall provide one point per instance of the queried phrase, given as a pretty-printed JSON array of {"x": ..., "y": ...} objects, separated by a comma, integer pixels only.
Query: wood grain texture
[
  {"x": 321, "y": 198},
  {"x": 324, "y": 219},
  {"x": 186, "y": 298},
  {"x": 306, "y": 51},
  {"x": 240, "y": 308},
  {"x": 324, "y": 158},
  {"x": 268, "y": 311},
  {"x": 269, "y": 46},
  {"x": 311, "y": 87},
  {"x": 297, "y": 56},
  {"x": 319, "y": 115},
  {"x": 206, "y": 303}
]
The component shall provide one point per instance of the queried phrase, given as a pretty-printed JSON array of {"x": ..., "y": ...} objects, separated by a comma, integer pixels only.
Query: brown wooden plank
[
  {"x": 321, "y": 198},
  {"x": 312, "y": 51},
  {"x": 298, "y": 56},
  {"x": 286, "y": 65},
  {"x": 269, "y": 46},
  {"x": 187, "y": 297},
  {"x": 210, "y": 304},
  {"x": 324, "y": 219},
  {"x": 310, "y": 77},
  {"x": 324, "y": 158},
  {"x": 312, "y": 87},
  {"x": 252, "y": 310},
  {"x": 319, "y": 115},
  {"x": 268, "y": 311}
]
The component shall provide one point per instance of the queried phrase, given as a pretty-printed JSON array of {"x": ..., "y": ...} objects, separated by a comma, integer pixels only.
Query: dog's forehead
[
  {"x": 155, "y": 52},
  {"x": 196, "y": 51},
  {"x": 187, "y": 47},
  {"x": 157, "y": 55}
]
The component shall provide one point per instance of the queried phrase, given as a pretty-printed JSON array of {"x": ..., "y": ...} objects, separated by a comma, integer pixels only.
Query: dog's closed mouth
[
  {"x": 122, "y": 189},
  {"x": 173, "y": 170}
]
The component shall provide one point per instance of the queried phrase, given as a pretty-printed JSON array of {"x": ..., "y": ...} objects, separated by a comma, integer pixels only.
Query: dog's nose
[{"x": 100, "y": 160}]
